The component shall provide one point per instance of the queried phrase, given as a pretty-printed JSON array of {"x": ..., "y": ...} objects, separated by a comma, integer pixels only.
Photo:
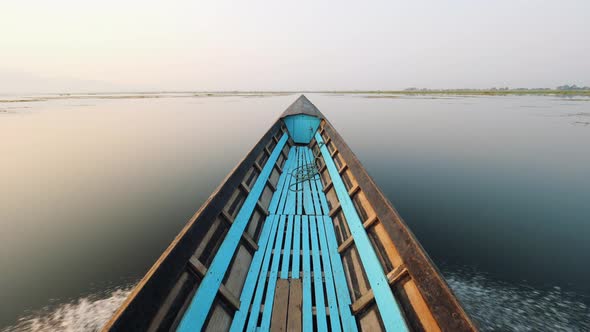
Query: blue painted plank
[
  {"x": 389, "y": 309},
  {"x": 312, "y": 182},
  {"x": 299, "y": 184},
  {"x": 272, "y": 279},
  {"x": 196, "y": 314},
  {"x": 266, "y": 241},
  {"x": 290, "y": 201},
  {"x": 287, "y": 249},
  {"x": 323, "y": 200},
  {"x": 261, "y": 284},
  {"x": 320, "y": 307},
  {"x": 283, "y": 179},
  {"x": 296, "y": 247},
  {"x": 344, "y": 302},
  {"x": 330, "y": 290},
  {"x": 306, "y": 309},
  {"x": 288, "y": 179},
  {"x": 307, "y": 201}
]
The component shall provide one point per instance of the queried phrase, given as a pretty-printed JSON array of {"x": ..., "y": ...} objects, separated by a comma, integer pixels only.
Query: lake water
[{"x": 94, "y": 188}]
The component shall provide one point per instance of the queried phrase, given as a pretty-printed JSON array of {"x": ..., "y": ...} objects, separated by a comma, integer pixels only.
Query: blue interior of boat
[
  {"x": 301, "y": 127},
  {"x": 297, "y": 249}
]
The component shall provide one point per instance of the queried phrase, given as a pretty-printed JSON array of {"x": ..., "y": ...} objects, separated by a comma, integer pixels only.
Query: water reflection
[{"x": 93, "y": 191}]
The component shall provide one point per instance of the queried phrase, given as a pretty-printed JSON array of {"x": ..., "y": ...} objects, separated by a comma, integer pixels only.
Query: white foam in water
[
  {"x": 88, "y": 313},
  {"x": 497, "y": 306},
  {"x": 493, "y": 305}
]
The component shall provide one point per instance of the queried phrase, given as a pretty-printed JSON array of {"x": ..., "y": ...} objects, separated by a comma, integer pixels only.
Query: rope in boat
[{"x": 306, "y": 172}]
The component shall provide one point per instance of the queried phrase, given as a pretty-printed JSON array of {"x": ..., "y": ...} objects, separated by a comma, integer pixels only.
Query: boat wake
[
  {"x": 87, "y": 313},
  {"x": 499, "y": 306},
  {"x": 493, "y": 305}
]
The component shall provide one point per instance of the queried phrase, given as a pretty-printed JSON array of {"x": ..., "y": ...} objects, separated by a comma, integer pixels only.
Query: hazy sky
[{"x": 58, "y": 45}]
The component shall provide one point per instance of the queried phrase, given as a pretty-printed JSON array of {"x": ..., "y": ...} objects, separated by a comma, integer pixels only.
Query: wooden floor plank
[
  {"x": 278, "y": 321},
  {"x": 273, "y": 276},
  {"x": 287, "y": 248},
  {"x": 291, "y": 202},
  {"x": 299, "y": 187},
  {"x": 296, "y": 247},
  {"x": 294, "y": 315},
  {"x": 306, "y": 307},
  {"x": 307, "y": 198},
  {"x": 321, "y": 324}
]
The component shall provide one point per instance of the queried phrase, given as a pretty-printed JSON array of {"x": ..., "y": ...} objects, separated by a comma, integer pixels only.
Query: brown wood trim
[
  {"x": 343, "y": 169},
  {"x": 245, "y": 188},
  {"x": 227, "y": 217},
  {"x": 346, "y": 243},
  {"x": 277, "y": 167},
  {"x": 258, "y": 167},
  {"x": 148, "y": 295},
  {"x": 225, "y": 293},
  {"x": 443, "y": 304},
  {"x": 354, "y": 190},
  {"x": 261, "y": 208},
  {"x": 335, "y": 210},
  {"x": 392, "y": 277},
  {"x": 248, "y": 240},
  {"x": 333, "y": 153},
  {"x": 328, "y": 186},
  {"x": 268, "y": 152},
  {"x": 272, "y": 186}
]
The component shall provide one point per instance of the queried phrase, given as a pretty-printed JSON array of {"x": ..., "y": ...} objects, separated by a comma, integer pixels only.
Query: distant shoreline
[
  {"x": 473, "y": 92},
  {"x": 34, "y": 97}
]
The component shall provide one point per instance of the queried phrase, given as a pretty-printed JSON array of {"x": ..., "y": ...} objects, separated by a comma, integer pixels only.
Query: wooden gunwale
[
  {"x": 441, "y": 301},
  {"x": 160, "y": 278},
  {"x": 413, "y": 271}
]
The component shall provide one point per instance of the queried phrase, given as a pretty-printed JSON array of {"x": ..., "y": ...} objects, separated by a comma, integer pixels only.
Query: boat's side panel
[
  {"x": 424, "y": 297},
  {"x": 382, "y": 294},
  {"x": 195, "y": 316},
  {"x": 162, "y": 296}
]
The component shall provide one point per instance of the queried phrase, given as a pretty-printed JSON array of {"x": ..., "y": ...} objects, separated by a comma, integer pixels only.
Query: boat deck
[
  {"x": 299, "y": 238},
  {"x": 296, "y": 279},
  {"x": 300, "y": 254}
]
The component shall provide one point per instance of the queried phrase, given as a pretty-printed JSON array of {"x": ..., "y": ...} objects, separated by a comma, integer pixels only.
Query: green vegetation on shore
[
  {"x": 471, "y": 92},
  {"x": 563, "y": 91}
]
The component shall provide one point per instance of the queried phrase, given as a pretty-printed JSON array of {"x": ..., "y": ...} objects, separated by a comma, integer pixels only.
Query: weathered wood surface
[
  {"x": 146, "y": 298},
  {"x": 280, "y": 306},
  {"x": 305, "y": 265},
  {"x": 294, "y": 311},
  {"x": 440, "y": 300}
]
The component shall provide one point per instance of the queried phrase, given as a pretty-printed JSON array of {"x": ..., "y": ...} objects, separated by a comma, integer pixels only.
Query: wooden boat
[{"x": 297, "y": 237}]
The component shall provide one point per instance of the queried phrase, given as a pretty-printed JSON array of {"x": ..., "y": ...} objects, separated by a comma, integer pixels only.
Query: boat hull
[{"x": 339, "y": 235}]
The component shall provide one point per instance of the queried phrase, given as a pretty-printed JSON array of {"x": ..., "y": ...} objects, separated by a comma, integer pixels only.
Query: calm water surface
[{"x": 93, "y": 189}]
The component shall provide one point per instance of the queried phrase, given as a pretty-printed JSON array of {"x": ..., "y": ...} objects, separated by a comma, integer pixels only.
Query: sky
[{"x": 178, "y": 45}]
